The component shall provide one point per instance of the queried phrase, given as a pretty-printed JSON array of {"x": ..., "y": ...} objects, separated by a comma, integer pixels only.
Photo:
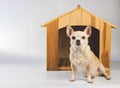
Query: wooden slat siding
[
  {"x": 104, "y": 44},
  {"x": 113, "y": 26},
  {"x": 64, "y": 21},
  {"x": 92, "y": 20},
  {"x": 86, "y": 18},
  {"x": 107, "y": 46},
  {"x": 45, "y": 24},
  {"x": 57, "y": 18},
  {"x": 75, "y": 17},
  {"x": 97, "y": 23},
  {"x": 52, "y": 45},
  {"x": 101, "y": 50}
]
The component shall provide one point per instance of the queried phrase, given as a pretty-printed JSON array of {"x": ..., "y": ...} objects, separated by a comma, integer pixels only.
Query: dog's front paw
[
  {"x": 90, "y": 81},
  {"x": 108, "y": 77},
  {"x": 72, "y": 79}
]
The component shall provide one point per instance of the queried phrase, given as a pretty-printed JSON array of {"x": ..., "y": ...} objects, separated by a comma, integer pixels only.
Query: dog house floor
[
  {"x": 64, "y": 64},
  {"x": 64, "y": 46}
]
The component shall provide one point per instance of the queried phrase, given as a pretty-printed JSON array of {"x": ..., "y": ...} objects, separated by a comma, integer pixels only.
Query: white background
[{"x": 20, "y": 20}]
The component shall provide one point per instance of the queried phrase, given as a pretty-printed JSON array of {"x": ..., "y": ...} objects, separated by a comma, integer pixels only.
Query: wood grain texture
[
  {"x": 77, "y": 11},
  {"x": 75, "y": 17},
  {"x": 64, "y": 21},
  {"x": 52, "y": 45},
  {"x": 86, "y": 18},
  {"x": 101, "y": 50},
  {"x": 105, "y": 39},
  {"x": 97, "y": 23},
  {"x": 107, "y": 49}
]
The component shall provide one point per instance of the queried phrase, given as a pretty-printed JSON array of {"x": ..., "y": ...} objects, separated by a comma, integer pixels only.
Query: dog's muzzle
[{"x": 77, "y": 42}]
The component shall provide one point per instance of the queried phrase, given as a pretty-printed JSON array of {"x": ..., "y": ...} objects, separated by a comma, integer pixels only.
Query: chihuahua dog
[{"x": 82, "y": 58}]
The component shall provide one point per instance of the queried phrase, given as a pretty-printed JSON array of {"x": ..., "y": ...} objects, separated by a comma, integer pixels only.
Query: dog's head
[{"x": 78, "y": 38}]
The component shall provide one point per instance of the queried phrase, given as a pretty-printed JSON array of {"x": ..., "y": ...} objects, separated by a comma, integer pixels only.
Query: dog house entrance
[{"x": 64, "y": 45}]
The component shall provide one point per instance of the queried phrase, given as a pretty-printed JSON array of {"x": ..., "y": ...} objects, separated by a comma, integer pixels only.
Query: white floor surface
[{"x": 34, "y": 75}]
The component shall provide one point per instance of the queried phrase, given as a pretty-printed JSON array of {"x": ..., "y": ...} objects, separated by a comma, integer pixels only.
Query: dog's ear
[
  {"x": 69, "y": 30},
  {"x": 88, "y": 31}
]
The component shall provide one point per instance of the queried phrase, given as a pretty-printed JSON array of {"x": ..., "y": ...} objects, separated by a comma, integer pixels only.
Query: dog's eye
[
  {"x": 83, "y": 37},
  {"x": 73, "y": 37}
]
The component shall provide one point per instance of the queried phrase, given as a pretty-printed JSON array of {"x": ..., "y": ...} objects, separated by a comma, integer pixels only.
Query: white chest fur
[{"x": 79, "y": 60}]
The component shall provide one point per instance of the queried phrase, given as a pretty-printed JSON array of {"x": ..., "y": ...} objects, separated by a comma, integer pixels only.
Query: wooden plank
[
  {"x": 113, "y": 26},
  {"x": 97, "y": 22},
  {"x": 86, "y": 18},
  {"x": 75, "y": 17},
  {"x": 64, "y": 68},
  {"x": 45, "y": 24},
  {"x": 101, "y": 50},
  {"x": 57, "y": 18},
  {"x": 105, "y": 39},
  {"x": 52, "y": 45},
  {"x": 64, "y": 21},
  {"x": 93, "y": 21},
  {"x": 106, "y": 45}
]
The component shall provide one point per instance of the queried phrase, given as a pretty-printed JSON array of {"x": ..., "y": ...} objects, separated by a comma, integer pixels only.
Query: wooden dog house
[{"x": 58, "y": 43}]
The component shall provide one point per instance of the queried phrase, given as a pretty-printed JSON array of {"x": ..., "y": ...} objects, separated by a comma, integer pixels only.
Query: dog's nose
[{"x": 78, "y": 42}]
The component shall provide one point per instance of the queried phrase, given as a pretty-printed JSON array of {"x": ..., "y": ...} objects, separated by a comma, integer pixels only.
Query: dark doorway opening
[{"x": 64, "y": 44}]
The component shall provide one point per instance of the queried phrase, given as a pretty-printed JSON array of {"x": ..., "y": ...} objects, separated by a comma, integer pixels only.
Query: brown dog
[{"x": 82, "y": 58}]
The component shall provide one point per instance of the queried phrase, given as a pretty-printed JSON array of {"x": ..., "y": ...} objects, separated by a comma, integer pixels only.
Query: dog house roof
[{"x": 79, "y": 16}]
